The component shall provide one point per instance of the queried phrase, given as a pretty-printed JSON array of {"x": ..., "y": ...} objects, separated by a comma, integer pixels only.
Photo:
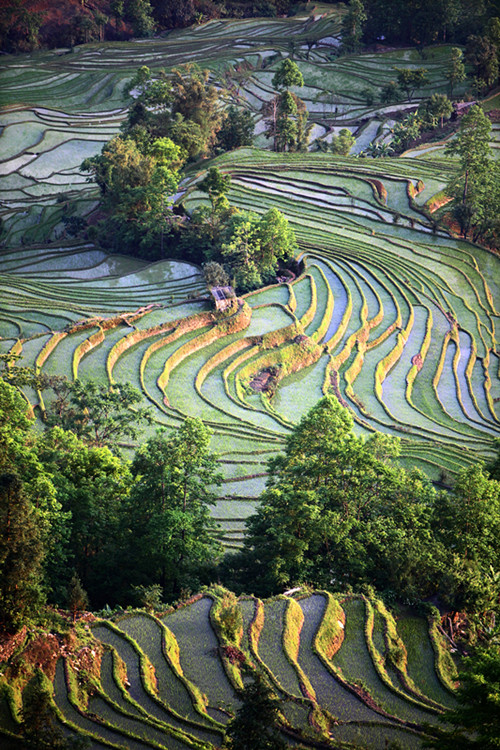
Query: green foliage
[
  {"x": 286, "y": 114},
  {"x": 199, "y": 103},
  {"x": 21, "y": 554},
  {"x": 256, "y": 722},
  {"x": 216, "y": 185},
  {"x": 411, "y": 79},
  {"x": 139, "y": 13},
  {"x": 405, "y": 131},
  {"x": 100, "y": 415},
  {"x": 352, "y": 26},
  {"x": 168, "y": 532},
  {"x": 149, "y": 597},
  {"x": 456, "y": 68},
  {"x": 476, "y": 720},
  {"x": 77, "y": 596},
  {"x": 475, "y": 187},
  {"x": 287, "y": 75},
  {"x": 215, "y": 274},
  {"x": 19, "y": 27},
  {"x": 39, "y": 727},
  {"x": 390, "y": 93},
  {"x": 336, "y": 510},
  {"x": 481, "y": 54},
  {"x": 343, "y": 142},
  {"x": 254, "y": 245},
  {"x": 91, "y": 485},
  {"x": 437, "y": 108},
  {"x": 236, "y": 131}
]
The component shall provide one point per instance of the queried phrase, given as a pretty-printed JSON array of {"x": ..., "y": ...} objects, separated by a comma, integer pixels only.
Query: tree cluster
[
  {"x": 78, "y": 519},
  {"x": 475, "y": 188},
  {"x": 336, "y": 513},
  {"x": 174, "y": 119},
  {"x": 424, "y": 22},
  {"x": 286, "y": 114}
]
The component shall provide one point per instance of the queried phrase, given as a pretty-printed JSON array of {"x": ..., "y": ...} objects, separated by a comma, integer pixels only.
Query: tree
[
  {"x": 19, "y": 27},
  {"x": 101, "y": 415},
  {"x": 455, "y": 72},
  {"x": 286, "y": 114},
  {"x": 412, "y": 79},
  {"x": 39, "y": 728},
  {"x": 21, "y": 555},
  {"x": 405, "y": 131},
  {"x": 342, "y": 143},
  {"x": 254, "y": 246},
  {"x": 481, "y": 53},
  {"x": 352, "y": 26},
  {"x": 438, "y": 107},
  {"x": 200, "y": 103},
  {"x": 336, "y": 512},
  {"x": 168, "y": 532},
  {"x": 472, "y": 148},
  {"x": 172, "y": 14},
  {"x": 390, "y": 93},
  {"x": 216, "y": 185},
  {"x": 139, "y": 13},
  {"x": 287, "y": 75},
  {"x": 236, "y": 131},
  {"x": 215, "y": 274},
  {"x": 256, "y": 724},
  {"x": 92, "y": 486},
  {"x": 476, "y": 719},
  {"x": 77, "y": 596}
]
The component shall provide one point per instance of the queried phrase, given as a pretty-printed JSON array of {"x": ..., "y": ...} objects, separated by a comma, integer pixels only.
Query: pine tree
[
  {"x": 21, "y": 553},
  {"x": 256, "y": 722}
]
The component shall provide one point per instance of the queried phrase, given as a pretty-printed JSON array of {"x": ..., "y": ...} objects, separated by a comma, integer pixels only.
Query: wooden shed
[{"x": 224, "y": 296}]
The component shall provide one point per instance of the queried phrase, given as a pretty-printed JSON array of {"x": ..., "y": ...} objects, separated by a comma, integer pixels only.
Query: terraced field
[
  {"x": 392, "y": 314},
  {"x": 60, "y": 107},
  {"x": 173, "y": 681}
]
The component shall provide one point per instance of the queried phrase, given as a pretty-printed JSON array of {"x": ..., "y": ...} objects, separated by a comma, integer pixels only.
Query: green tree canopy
[
  {"x": 476, "y": 720},
  {"x": 257, "y": 720},
  {"x": 352, "y": 26},
  {"x": 168, "y": 533},
  {"x": 98, "y": 414},
  {"x": 412, "y": 79},
  {"x": 287, "y": 75}
]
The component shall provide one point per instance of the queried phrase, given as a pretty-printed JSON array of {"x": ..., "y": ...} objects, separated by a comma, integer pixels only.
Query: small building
[{"x": 224, "y": 296}]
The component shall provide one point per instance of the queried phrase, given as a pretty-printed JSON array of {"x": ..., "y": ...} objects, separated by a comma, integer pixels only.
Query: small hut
[{"x": 224, "y": 296}]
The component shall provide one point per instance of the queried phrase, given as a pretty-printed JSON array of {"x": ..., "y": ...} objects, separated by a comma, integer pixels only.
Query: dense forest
[{"x": 106, "y": 509}]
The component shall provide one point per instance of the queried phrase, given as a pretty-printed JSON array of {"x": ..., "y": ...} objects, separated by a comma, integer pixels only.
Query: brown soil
[
  {"x": 264, "y": 380},
  {"x": 417, "y": 361}
]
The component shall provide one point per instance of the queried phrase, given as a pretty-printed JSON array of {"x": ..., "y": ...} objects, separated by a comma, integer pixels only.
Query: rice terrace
[{"x": 380, "y": 314}]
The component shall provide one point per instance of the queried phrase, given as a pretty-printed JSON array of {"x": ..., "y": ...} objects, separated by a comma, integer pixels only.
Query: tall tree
[
  {"x": 455, "y": 72},
  {"x": 481, "y": 53},
  {"x": 254, "y": 246},
  {"x": 169, "y": 534},
  {"x": 286, "y": 114},
  {"x": 411, "y": 80},
  {"x": 200, "y": 103},
  {"x": 100, "y": 415},
  {"x": 92, "y": 486},
  {"x": 342, "y": 143},
  {"x": 352, "y": 26},
  {"x": 256, "y": 724},
  {"x": 237, "y": 130},
  {"x": 21, "y": 555},
  {"x": 336, "y": 512},
  {"x": 472, "y": 148}
]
